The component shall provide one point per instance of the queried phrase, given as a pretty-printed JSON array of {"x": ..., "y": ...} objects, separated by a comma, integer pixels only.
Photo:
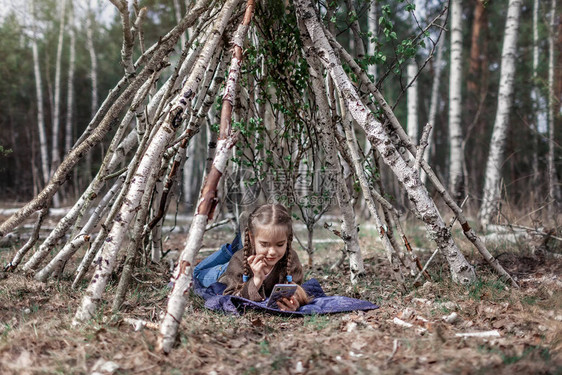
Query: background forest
[{"x": 92, "y": 54}]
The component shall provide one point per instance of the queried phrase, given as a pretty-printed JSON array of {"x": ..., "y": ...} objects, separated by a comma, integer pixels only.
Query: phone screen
[{"x": 281, "y": 291}]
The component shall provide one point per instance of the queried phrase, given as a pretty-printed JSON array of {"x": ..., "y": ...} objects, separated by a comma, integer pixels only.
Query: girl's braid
[
  {"x": 247, "y": 252},
  {"x": 289, "y": 263}
]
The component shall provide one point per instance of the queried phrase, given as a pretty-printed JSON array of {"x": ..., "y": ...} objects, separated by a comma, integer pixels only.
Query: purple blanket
[{"x": 322, "y": 304}]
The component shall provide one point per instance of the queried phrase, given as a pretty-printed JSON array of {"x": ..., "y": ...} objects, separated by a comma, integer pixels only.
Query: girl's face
[{"x": 271, "y": 242}]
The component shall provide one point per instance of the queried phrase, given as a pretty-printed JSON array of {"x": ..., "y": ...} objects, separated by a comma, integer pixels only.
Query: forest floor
[{"x": 36, "y": 335}]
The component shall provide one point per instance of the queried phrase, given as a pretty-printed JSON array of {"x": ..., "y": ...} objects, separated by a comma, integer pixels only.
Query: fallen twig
[
  {"x": 139, "y": 324},
  {"x": 493, "y": 333},
  {"x": 395, "y": 347},
  {"x": 425, "y": 267}
]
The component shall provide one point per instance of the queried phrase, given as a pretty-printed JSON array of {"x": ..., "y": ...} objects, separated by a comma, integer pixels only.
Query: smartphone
[{"x": 281, "y": 291}]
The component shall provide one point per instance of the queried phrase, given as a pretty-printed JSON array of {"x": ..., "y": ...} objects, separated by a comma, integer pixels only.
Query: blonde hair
[{"x": 268, "y": 215}]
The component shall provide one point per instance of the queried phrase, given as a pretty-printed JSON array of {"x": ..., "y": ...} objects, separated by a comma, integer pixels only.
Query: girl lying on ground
[{"x": 267, "y": 259}]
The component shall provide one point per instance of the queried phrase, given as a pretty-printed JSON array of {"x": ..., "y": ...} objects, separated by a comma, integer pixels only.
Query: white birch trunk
[
  {"x": 93, "y": 76},
  {"x": 128, "y": 37},
  {"x": 40, "y": 114},
  {"x": 412, "y": 101},
  {"x": 55, "y": 158},
  {"x": 455, "y": 101},
  {"x": 188, "y": 175},
  {"x": 461, "y": 271},
  {"x": 491, "y": 194},
  {"x": 434, "y": 103},
  {"x": 373, "y": 30},
  {"x": 70, "y": 83},
  {"x": 152, "y": 156},
  {"x": 553, "y": 195},
  {"x": 101, "y": 124}
]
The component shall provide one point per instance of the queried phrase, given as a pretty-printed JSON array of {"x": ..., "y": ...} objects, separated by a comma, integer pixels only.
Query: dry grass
[{"x": 36, "y": 336}]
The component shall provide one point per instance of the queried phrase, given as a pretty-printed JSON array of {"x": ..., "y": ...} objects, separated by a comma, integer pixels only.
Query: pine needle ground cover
[{"x": 36, "y": 336}]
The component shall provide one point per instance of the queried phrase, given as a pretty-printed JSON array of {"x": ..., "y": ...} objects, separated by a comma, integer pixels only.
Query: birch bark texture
[
  {"x": 43, "y": 145},
  {"x": 90, "y": 19},
  {"x": 455, "y": 102},
  {"x": 55, "y": 158},
  {"x": 461, "y": 271},
  {"x": 412, "y": 101},
  {"x": 491, "y": 195},
  {"x": 208, "y": 196},
  {"x": 68, "y": 136},
  {"x": 372, "y": 24},
  {"x": 434, "y": 101}
]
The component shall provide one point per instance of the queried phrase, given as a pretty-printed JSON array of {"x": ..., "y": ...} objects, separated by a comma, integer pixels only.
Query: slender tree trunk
[
  {"x": 461, "y": 270},
  {"x": 70, "y": 83},
  {"x": 75, "y": 214},
  {"x": 57, "y": 263},
  {"x": 90, "y": 20},
  {"x": 412, "y": 99},
  {"x": 505, "y": 100},
  {"x": 434, "y": 102},
  {"x": 475, "y": 57},
  {"x": 55, "y": 158},
  {"x": 553, "y": 194},
  {"x": 539, "y": 107},
  {"x": 456, "y": 157},
  {"x": 372, "y": 23},
  {"x": 40, "y": 114}
]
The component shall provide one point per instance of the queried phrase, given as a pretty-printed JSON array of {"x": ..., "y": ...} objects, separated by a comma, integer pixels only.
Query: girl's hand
[
  {"x": 259, "y": 268},
  {"x": 288, "y": 304}
]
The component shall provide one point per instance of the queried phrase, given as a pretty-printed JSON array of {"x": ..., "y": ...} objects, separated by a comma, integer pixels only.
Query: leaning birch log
[
  {"x": 59, "y": 177},
  {"x": 461, "y": 271},
  {"x": 128, "y": 37},
  {"x": 208, "y": 196},
  {"x": 137, "y": 239},
  {"x": 395, "y": 124},
  {"x": 153, "y": 154}
]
